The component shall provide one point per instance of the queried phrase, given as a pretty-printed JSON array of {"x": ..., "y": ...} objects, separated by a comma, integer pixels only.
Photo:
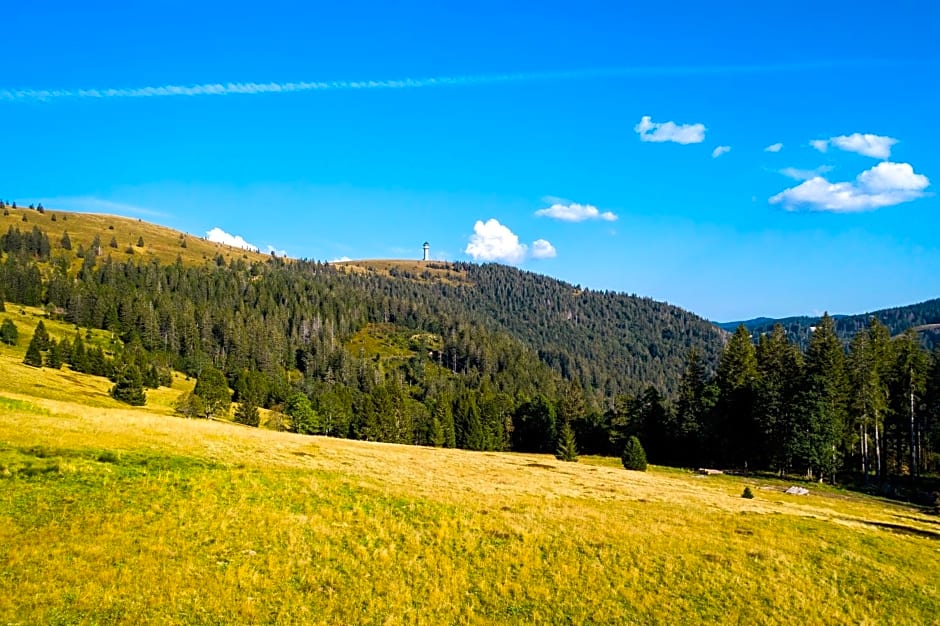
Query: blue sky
[{"x": 736, "y": 159}]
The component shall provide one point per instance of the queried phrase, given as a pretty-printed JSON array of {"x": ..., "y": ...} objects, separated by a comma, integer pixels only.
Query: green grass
[{"x": 112, "y": 514}]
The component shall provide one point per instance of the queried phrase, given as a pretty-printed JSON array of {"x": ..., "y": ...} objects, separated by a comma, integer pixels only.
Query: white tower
[{"x": 427, "y": 251}]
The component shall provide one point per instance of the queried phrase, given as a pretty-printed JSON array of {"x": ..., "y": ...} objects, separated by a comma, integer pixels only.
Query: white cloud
[
  {"x": 876, "y": 146},
  {"x": 720, "y": 150},
  {"x": 884, "y": 185},
  {"x": 542, "y": 249},
  {"x": 648, "y": 130},
  {"x": 280, "y": 253},
  {"x": 491, "y": 241},
  {"x": 574, "y": 212},
  {"x": 342, "y": 259},
  {"x": 798, "y": 174},
  {"x": 218, "y": 235},
  {"x": 887, "y": 176},
  {"x": 774, "y": 147}
]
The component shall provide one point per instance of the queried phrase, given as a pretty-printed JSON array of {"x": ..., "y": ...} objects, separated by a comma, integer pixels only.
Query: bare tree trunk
[
  {"x": 877, "y": 452},
  {"x": 864, "y": 448},
  {"x": 913, "y": 443}
]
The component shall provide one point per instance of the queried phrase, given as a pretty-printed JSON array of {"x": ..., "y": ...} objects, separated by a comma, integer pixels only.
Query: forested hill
[
  {"x": 923, "y": 316},
  {"x": 248, "y": 311},
  {"x": 610, "y": 342}
]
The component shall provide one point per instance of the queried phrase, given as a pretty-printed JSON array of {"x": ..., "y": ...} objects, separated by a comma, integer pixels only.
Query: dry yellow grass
[
  {"x": 112, "y": 514},
  {"x": 160, "y": 242},
  {"x": 435, "y": 270}
]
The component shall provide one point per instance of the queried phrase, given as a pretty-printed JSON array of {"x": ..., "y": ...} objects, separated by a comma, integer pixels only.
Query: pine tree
[
  {"x": 129, "y": 387},
  {"x": 567, "y": 449},
  {"x": 779, "y": 377},
  {"x": 79, "y": 357},
  {"x": 824, "y": 401},
  {"x": 247, "y": 413},
  {"x": 735, "y": 436},
  {"x": 869, "y": 392},
  {"x": 634, "y": 457},
  {"x": 54, "y": 356},
  {"x": 689, "y": 429},
  {"x": 66, "y": 241},
  {"x": 436, "y": 435},
  {"x": 41, "y": 335},
  {"x": 34, "y": 352},
  {"x": 8, "y": 332},
  {"x": 907, "y": 390}
]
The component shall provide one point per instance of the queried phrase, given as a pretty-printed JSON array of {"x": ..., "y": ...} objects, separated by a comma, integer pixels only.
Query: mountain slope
[{"x": 922, "y": 316}]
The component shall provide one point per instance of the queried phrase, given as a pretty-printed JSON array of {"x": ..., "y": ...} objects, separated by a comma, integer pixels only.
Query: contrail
[{"x": 226, "y": 89}]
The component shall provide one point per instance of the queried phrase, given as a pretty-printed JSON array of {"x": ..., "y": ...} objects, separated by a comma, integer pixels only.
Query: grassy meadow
[
  {"x": 113, "y": 514},
  {"x": 160, "y": 242}
]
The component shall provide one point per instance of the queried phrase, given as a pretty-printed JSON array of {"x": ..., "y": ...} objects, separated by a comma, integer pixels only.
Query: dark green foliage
[
  {"x": 66, "y": 241},
  {"x": 190, "y": 405},
  {"x": 129, "y": 387},
  {"x": 113, "y": 243},
  {"x": 779, "y": 365},
  {"x": 247, "y": 413},
  {"x": 53, "y": 356},
  {"x": 41, "y": 335},
  {"x": 534, "y": 426},
  {"x": 747, "y": 493},
  {"x": 490, "y": 358},
  {"x": 212, "y": 388},
  {"x": 78, "y": 358},
  {"x": 735, "y": 422},
  {"x": 567, "y": 449},
  {"x": 8, "y": 332},
  {"x": 140, "y": 242},
  {"x": 34, "y": 352},
  {"x": 634, "y": 457},
  {"x": 823, "y": 414}
]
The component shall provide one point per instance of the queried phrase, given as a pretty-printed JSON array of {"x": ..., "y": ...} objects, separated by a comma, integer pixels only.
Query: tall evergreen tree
[
  {"x": 566, "y": 449},
  {"x": 8, "y": 332},
  {"x": 869, "y": 393},
  {"x": 34, "y": 351},
  {"x": 735, "y": 429},
  {"x": 41, "y": 335},
  {"x": 54, "y": 355},
  {"x": 779, "y": 366},
  {"x": 907, "y": 391},
  {"x": 129, "y": 387},
  {"x": 690, "y": 428},
  {"x": 824, "y": 402}
]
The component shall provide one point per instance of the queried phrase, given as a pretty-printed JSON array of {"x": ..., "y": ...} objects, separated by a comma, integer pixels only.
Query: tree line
[{"x": 515, "y": 361}]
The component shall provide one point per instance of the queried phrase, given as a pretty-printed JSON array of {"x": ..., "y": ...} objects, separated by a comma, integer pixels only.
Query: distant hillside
[
  {"x": 923, "y": 316},
  {"x": 118, "y": 237},
  {"x": 610, "y": 342}
]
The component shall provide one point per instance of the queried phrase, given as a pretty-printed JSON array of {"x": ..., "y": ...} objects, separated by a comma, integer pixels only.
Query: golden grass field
[
  {"x": 112, "y": 514},
  {"x": 160, "y": 242}
]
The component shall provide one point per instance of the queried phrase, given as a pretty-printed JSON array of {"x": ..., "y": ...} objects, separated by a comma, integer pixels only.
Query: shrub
[
  {"x": 634, "y": 456},
  {"x": 747, "y": 493}
]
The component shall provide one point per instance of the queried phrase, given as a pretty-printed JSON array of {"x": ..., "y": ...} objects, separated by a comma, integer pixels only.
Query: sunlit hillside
[
  {"x": 159, "y": 242},
  {"x": 113, "y": 514}
]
